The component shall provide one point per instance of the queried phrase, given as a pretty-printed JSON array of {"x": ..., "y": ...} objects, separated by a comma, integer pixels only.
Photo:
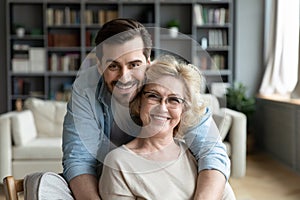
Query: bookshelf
[
  {"x": 213, "y": 26},
  {"x": 44, "y": 61}
]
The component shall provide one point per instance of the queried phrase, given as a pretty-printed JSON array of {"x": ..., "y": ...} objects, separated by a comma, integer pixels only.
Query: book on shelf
[
  {"x": 203, "y": 63},
  {"x": 64, "y": 63},
  {"x": 62, "y": 16},
  {"x": 217, "y": 38},
  {"x": 73, "y": 62},
  {"x": 53, "y": 62},
  {"x": 210, "y": 15},
  {"x": 37, "y": 59},
  {"x": 198, "y": 10},
  {"x": 63, "y": 93},
  {"x": 67, "y": 15},
  {"x": 218, "y": 62},
  {"x": 90, "y": 37},
  {"x": 222, "y": 18},
  {"x": 88, "y": 16},
  {"x": 21, "y": 86},
  {"x": 99, "y": 16},
  {"x": 20, "y": 65},
  {"x": 50, "y": 16},
  {"x": 63, "y": 40},
  {"x": 224, "y": 38}
]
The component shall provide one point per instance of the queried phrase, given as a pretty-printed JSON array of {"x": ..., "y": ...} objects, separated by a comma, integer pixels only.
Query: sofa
[{"x": 30, "y": 140}]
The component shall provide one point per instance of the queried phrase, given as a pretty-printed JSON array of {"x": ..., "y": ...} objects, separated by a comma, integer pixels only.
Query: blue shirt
[{"x": 88, "y": 123}]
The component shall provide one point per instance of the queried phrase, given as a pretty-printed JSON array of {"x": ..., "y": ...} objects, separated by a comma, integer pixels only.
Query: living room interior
[{"x": 264, "y": 145}]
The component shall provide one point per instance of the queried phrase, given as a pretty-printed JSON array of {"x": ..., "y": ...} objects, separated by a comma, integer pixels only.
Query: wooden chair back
[{"x": 12, "y": 187}]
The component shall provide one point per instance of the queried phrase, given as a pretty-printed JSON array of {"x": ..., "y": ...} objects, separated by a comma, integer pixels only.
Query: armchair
[{"x": 30, "y": 140}]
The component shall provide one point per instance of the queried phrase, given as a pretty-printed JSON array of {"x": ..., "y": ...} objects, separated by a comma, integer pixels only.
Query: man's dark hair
[{"x": 120, "y": 30}]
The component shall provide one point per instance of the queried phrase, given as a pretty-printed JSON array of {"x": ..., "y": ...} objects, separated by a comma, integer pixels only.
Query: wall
[
  {"x": 3, "y": 92},
  {"x": 249, "y": 29}
]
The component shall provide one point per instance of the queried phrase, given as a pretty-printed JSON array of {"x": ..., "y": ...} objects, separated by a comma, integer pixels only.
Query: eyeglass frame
[{"x": 158, "y": 99}]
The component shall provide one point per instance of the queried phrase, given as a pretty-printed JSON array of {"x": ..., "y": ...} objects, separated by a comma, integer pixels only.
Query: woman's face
[{"x": 162, "y": 104}]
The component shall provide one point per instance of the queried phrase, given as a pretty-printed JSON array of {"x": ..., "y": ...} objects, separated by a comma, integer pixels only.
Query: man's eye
[
  {"x": 136, "y": 64},
  {"x": 113, "y": 67}
]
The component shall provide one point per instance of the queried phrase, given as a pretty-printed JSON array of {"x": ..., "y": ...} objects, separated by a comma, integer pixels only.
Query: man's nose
[{"x": 125, "y": 75}]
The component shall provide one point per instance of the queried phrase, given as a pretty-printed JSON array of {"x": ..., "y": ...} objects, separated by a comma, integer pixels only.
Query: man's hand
[
  {"x": 85, "y": 187},
  {"x": 210, "y": 185}
]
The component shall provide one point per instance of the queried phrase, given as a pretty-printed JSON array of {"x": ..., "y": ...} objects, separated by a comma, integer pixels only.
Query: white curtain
[{"x": 281, "y": 47}]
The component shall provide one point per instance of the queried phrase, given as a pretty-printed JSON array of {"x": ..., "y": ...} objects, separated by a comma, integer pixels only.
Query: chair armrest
[
  {"x": 5, "y": 147},
  {"x": 238, "y": 141}
]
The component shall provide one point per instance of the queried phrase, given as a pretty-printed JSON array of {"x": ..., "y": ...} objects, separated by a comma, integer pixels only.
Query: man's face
[{"x": 123, "y": 67}]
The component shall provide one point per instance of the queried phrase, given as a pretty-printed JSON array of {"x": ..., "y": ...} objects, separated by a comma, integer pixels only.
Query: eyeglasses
[{"x": 171, "y": 101}]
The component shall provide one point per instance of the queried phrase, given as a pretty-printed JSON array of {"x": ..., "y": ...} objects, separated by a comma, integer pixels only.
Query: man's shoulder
[{"x": 87, "y": 78}]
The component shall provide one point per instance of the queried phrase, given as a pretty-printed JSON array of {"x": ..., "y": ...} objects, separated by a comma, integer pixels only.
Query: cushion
[
  {"x": 228, "y": 148},
  {"x": 48, "y": 116},
  {"x": 23, "y": 128},
  {"x": 223, "y": 123},
  {"x": 40, "y": 148},
  {"x": 212, "y": 102}
]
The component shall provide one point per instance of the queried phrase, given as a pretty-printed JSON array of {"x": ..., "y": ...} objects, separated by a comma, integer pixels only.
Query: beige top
[{"x": 127, "y": 175}]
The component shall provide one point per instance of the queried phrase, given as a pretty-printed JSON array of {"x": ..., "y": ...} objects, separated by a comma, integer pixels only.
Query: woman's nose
[{"x": 163, "y": 104}]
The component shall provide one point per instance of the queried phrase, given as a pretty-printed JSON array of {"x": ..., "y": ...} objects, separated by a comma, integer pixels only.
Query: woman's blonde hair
[{"x": 191, "y": 77}]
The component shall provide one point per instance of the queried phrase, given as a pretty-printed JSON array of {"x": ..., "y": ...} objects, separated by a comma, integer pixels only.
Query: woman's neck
[{"x": 162, "y": 148}]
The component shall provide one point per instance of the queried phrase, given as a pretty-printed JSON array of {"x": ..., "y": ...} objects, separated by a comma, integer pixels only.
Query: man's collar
[{"x": 102, "y": 92}]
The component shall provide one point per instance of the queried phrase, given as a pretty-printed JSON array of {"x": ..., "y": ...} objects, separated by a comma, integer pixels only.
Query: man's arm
[
  {"x": 213, "y": 162},
  {"x": 81, "y": 137},
  {"x": 85, "y": 187},
  {"x": 210, "y": 185}
]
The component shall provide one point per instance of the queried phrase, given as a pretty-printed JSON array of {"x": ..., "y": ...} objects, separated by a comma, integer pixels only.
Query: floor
[{"x": 265, "y": 179}]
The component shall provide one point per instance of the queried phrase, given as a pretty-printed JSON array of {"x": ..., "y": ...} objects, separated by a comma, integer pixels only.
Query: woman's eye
[
  {"x": 174, "y": 100},
  {"x": 153, "y": 96}
]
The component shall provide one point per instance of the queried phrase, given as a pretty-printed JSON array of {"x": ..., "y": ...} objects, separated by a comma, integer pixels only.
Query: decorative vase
[
  {"x": 173, "y": 32},
  {"x": 20, "y": 32}
]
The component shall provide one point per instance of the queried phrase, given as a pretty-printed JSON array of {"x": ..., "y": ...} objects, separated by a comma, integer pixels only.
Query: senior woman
[{"x": 157, "y": 164}]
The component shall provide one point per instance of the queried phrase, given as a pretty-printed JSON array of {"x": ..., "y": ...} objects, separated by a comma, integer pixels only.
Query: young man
[{"x": 90, "y": 132}]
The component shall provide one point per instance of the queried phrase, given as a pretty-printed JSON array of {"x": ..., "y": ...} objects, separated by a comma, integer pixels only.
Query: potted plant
[
  {"x": 173, "y": 27},
  {"x": 20, "y": 30},
  {"x": 237, "y": 99}
]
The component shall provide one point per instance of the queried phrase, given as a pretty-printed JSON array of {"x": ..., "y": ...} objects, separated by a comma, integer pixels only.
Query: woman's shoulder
[
  {"x": 116, "y": 154},
  {"x": 119, "y": 157}
]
